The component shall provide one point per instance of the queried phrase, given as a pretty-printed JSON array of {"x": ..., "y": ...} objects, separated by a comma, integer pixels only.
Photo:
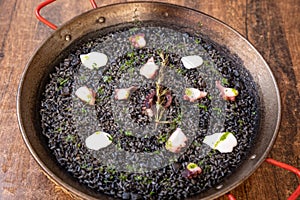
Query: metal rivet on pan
[
  {"x": 166, "y": 14},
  {"x": 68, "y": 37},
  {"x": 253, "y": 157},
  {"x": 101, "y": 20},
  {"x": 219, "y": 187}
]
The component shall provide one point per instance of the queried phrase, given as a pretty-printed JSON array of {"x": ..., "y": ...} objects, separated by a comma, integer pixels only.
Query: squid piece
[
  {"x": 98, "y": 140},
  {"x": 94, "y": 60},
  {"x": 168, "y": 99},
  {"x": 190, "y": 62},
  {"x": 192, "y": 171},
  {"x": 227, "y": 93},
  {"x": 138, "y": 40},
  {"x": 149, "y": 70},
  {"x": 193, "y": 94},
  {"x": 223, "y": 142},
  {"x": 86, "y": 94},
  {"x": 124, "y": 93},
  {"x": 151, "y": 98},
  {"x": 176, "y": 141}
]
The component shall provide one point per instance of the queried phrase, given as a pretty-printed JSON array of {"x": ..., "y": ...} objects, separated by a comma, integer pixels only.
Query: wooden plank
[
  {"x": 291, "y": 26},
  {"x": 267, "y": 33},
  {"x": 20, "y": 176},
  {"x": 5, "y": 25}
]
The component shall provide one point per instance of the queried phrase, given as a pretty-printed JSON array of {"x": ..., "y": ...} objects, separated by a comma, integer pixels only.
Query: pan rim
[{"x": 79, "y": 193}]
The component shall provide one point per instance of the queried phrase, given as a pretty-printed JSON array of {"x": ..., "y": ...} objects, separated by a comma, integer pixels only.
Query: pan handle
[
  {"x": 230, "y": 196},
  {"x": 93, "y": 3},
  {"x": 290, "y": 168},
  {"x": 45, "y": 21}
]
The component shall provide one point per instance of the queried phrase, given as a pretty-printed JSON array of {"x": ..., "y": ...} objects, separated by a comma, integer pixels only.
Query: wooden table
[{"x": 272, "y": 26}]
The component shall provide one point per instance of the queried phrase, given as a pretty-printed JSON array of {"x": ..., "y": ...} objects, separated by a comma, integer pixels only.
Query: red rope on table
[
  {"x": 290, "y": 168},
  {"x": 42, "y": 19},
  {"x": 285, "y": 166},
  {"x": 230, "y": 196},
  {"x": 93, "y": 3},
  {"x": 45, "y": 21}
]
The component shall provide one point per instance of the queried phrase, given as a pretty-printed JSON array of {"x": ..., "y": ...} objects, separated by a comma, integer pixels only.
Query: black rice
[{"x": 66, "y": 121}]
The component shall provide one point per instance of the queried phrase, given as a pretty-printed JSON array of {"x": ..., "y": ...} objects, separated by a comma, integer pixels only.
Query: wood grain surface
[{"x": 272, "y": 26}]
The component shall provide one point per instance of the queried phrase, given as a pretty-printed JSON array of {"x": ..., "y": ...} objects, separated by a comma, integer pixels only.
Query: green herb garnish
[
  {"x": 138, "y": 178},
  {"x": 219, "y": 110},
  {"x": 203, "y": 107},
  {"x": 70, "y": 138},
  {"x": 224, "y": 81},
  {"x": 123, "y": 177},
  {"x": 107, "y": 79},
  {"x": 222, "y": 138},
  {"x": 63, "y": 81},
  {"x": 128, "y": 133},
  {"x": 100, "y": 90}
]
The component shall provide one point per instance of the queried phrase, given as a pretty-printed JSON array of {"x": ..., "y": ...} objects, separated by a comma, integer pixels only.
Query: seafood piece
[
  {"x": 176, "y": 141},
  {"x": 138, "y": 40},
  {"x": 192, "y": 171},
  {"x": 149, "y": 70},
  {"x": 98, "y": 140},
  {"x": 124, "y": 93},
  {"x": 86, "y": 94},
  {"x": 94, "y": 60},
  {"x": 191, "y": 62},
  {"x": 227, "y": 93},
  {"x": 223, "y": 142},
  {"x": 193, "y": 94}
]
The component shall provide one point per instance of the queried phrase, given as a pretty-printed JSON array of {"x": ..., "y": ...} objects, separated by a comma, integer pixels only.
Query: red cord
[
  {"x": 230, "y": 196},
  {"x": 42, "y": 19},
  {"x": 284, "y": 166},
  {"x": 290, "y": 168},
  {"x": 93, "y": 3},
  {"x": 45, "y": 21},
  {"x": 296, "y": 171}
]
